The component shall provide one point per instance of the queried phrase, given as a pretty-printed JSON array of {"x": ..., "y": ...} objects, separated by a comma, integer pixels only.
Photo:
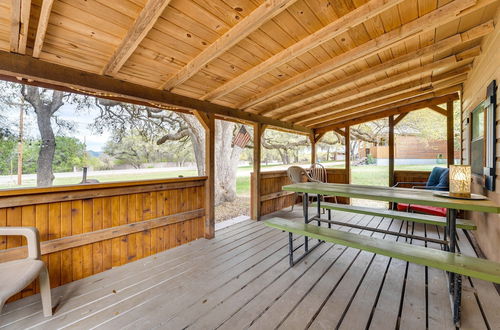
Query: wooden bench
[
  {"x": 447, "y": 261},
  {"x": 405, "y": 216}
]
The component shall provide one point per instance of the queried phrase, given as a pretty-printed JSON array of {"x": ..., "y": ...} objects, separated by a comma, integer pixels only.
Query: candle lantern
[{"x": 460, "y": 181}]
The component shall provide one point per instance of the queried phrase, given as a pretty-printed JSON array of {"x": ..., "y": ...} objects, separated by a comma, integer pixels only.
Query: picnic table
[{"x": 395, "y": 195}]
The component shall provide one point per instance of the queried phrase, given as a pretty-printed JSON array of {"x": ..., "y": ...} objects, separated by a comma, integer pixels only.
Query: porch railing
[{"x": 86, "y": 229}]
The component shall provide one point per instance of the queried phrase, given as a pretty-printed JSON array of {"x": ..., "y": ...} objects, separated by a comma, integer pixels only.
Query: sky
[{"x": 80, "y": 119}]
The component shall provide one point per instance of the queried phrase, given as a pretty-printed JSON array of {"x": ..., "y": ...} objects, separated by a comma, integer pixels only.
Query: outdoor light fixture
[{"x": 460, "y": 179}]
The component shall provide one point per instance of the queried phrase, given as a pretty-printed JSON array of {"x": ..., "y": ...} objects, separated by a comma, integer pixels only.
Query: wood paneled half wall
[{"x": 87, "y": 229}]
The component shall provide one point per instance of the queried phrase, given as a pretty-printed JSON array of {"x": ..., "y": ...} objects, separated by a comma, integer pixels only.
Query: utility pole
[{"x": 20, "y": 145}]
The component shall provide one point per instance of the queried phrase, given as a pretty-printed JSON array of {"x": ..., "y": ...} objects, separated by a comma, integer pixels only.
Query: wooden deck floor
[{"x": 241, "y": 279}]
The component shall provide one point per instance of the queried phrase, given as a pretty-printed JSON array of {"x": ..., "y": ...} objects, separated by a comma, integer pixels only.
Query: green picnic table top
[{"x": 388, "y": 194}]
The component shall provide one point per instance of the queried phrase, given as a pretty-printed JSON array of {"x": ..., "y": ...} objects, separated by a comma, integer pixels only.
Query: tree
[
  {"x": 8, "y": 150},
  {"x": 286, "y": 144},
  {"x": 163, "y": 125},
  {"x": 44, "y": 103}
]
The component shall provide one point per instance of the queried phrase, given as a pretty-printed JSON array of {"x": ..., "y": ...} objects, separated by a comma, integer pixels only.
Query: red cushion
[
  {"x": 432, "y": 210},
  {"x": 402, "y": 207}
]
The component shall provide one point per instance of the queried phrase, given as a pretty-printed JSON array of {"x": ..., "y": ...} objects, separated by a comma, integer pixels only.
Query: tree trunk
[
  {"x": 44, "y": 108},
  {"x": 45, "y": 175},
  {"x": 226, "y": 156}
]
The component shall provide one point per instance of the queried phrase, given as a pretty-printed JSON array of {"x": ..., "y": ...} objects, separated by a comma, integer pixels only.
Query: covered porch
[
  {"x": 241, "y": 279},
  {"x": 145, "y": 254}
]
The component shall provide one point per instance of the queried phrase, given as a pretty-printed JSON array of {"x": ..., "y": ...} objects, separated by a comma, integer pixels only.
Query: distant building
[{"x": 409, "y": 150}]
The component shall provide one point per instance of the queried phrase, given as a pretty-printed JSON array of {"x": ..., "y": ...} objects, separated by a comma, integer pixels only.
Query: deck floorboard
[{"x": 241, "y": 279}]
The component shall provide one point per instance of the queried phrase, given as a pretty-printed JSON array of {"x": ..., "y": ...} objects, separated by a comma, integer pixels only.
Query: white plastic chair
[{"x": 17, "y": 274}]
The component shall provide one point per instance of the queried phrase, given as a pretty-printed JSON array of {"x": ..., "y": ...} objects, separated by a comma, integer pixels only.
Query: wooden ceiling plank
[
  {"x": 379, "y": 100},
  {"x": 24, "y": 26},
  {"x": 316, "y": 107},
  {"x": 378, "y": 89},
  {"x": 350, "y": 115},
  {"x": 432, "y": 50},
  {"x": 142, "y": 25},
  {"x": 240, "y": 31},
  {"x": 359, "y": 15},
  {"x": 15, "y": 23},
  {"x": 430, "y": 21},
  {"x": 15, "y": 65},
  {"x": 43, "y": 24},
  {"x": 390, "y": 112}
]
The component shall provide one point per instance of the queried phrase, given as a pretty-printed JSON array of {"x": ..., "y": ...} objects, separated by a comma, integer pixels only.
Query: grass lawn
[
  {"x": 365, "y": 174},
  {"x": 379, "y": 175}
]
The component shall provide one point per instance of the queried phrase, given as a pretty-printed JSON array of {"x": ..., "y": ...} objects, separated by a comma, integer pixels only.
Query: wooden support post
[
  {"x": 312, "y": 138},
  {"x": 208, "y": 122},
  {"x": 450, "y": 133},
  {"x": 258, "y": 130},
  {"x": 391, "y": 151},
  {"x": 347, "y": 136}
]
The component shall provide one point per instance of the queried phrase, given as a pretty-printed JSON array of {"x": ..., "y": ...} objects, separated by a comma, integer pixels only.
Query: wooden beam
[
  {"x": 312, "y": 139},
  {"x": 389, "y": 112},
  {"x": 141, "y": 27},
  {"x": 19, "y": 25},
  {"x": 419, "y": 88},
  {"x": 208, "y": 122},
  {"x": 15, "y": 65},
  {"x": 405, "y": 99},
  {"x": 341, "y": 25},
  {"x": 256, "y": 194},
  {"x": 43, "y": 23},
  {"x": 439, "y": 110},
  {"x": 391, "y": 150},
  {"x": 321, "y": 106},
  {"x": 240, "y": 31},
  {"x": 339, "y": 130},
  {"x": 347, "y": 139},
  {"x": 15, "y": 23},
  {"x": 399, "y": 118},
  {"x": 430, "y": 21},
  {"x": 422, "y": 54},
  {"x": 450, "y": 136}
]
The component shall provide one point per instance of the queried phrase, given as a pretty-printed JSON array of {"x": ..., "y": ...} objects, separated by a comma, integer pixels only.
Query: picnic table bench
[{"x": 447, "y": 260}]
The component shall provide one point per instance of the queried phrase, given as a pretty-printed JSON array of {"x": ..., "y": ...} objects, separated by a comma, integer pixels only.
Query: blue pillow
[{"x": 439, "y": 179}]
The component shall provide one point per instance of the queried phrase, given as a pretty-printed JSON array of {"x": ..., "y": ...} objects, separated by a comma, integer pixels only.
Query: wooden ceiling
[{"x": 310, "y": 64}]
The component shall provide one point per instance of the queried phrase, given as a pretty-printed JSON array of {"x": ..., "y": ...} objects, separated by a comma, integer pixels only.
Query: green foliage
[
  {"x": 370, "y": 160},
  {"x": 7, "y": 153},
  {"x": 135, "y": 149},
  {"x": 70, "y": 152}
]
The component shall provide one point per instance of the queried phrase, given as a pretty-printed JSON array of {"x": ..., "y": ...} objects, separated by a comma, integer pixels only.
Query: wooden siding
[
  {"x": 486, "y": 68},
  {"x": 92, "y": 228},
  {"x": 273, "y": 198}
]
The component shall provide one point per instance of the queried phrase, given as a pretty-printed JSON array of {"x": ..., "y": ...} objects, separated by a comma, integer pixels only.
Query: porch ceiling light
[{"x": 460, "y": 181}]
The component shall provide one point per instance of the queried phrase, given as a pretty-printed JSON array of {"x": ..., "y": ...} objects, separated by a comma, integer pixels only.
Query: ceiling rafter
[
  {"x": 390, "y": 112},
  {"x": 430, "y": 21},
  {"x": 357, "y": 16},
  {"x": 422, "y": 53},
  {"x": 20, "y": 17},
  {"x": 43, "y": 23},
  {"x": 141, "y": 27},
  {"x": 402, "y": 103},
  {"x": 317, "y": 107},
  {"x": 27, "y": 67},
  {"x": 399, "y": 93},
  {"x": 240, "y": 31},
  {"x": 322, "y": 107}
]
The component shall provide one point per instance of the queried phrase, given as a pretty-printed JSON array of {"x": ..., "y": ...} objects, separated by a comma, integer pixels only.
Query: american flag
[{"x": 241, "y": 138}]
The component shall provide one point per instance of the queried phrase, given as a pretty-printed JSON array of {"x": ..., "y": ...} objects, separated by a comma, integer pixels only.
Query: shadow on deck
[{"x": 242, "y": 279}]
